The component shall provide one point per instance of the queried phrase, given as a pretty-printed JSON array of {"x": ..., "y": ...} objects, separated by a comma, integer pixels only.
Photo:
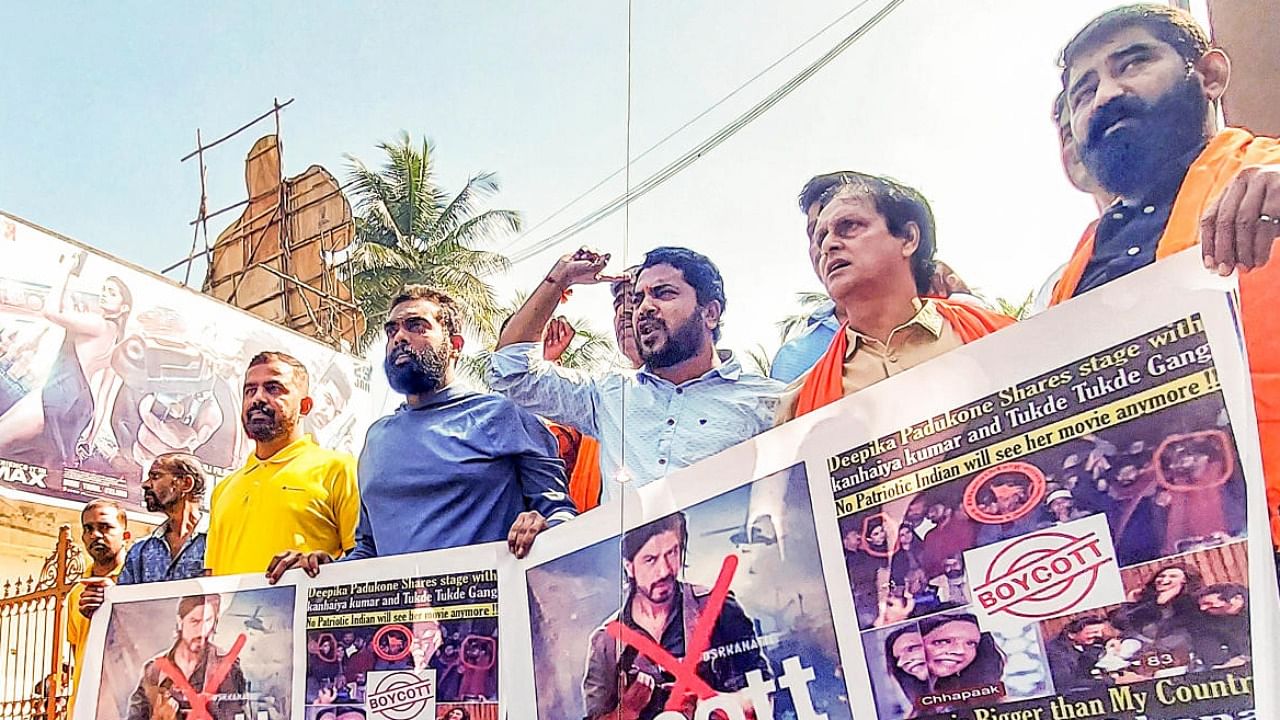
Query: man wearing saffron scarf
[
  {"x": 872, "y": 242},
  {"x": 1140, "y": 86}
]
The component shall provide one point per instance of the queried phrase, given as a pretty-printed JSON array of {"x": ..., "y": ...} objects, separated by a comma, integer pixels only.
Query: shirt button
[
  {"x": 1117, "y": 216},
  {"x": 1133, "y": 250},
  {"x": 671, "y": 421},
  {"x": 662, "y": 461},
  {"x": 893, "y": 358},
  {"x": 1148, "y": 209},
  {"x": 679, "y": 391}
]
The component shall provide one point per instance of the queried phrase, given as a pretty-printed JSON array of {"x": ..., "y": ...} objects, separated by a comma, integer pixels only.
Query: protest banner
[
  {"x": 412, "y": 637},
  {"x": 1064, "y": 520},
  {"x": 104, "y": 366},
  {"x": 736, "y": 573},
  {"x": 207, "y": 649},
  {"x": 405, "y": 638},
  {"x": 1069, "y": 524}
]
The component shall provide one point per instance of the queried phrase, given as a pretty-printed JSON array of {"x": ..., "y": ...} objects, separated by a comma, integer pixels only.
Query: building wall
[
  {"x": 1247, "y": 29},
  {"x": 29, "y": 534}
]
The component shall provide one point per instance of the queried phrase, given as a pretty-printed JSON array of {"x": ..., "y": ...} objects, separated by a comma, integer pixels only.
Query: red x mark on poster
[
  {"x": 212, "y": 679},
  {"x": 685, "y": 670}
]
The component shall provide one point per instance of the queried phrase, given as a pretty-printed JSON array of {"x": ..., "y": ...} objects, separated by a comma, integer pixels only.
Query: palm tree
[
  {"x": 791, "y": 324},
  {"x": 408, "y": 230},
  {"x": 758, "y": 359},
  {"x": 590, "y": 350},
  {"x": 1017, "y": 311}
]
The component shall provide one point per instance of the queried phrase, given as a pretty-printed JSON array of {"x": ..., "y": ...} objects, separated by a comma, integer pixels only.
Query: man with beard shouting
[
  {"x": 105, "y": 535},
  {"x": 291, "y": 494},
  {"x": 687, "y": 402},
  {"x": 1141, "y": 82},
  {"x": 450, "y": 466}
]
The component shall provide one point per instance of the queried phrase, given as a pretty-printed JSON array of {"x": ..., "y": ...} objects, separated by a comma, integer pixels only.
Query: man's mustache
[
  {"x": 1121, "y": 108},
  {"x": 260, "y": 408}
]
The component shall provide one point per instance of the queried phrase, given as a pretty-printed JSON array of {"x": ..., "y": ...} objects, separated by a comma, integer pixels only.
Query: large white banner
[
  {"x": 1065, "y": 520},
  {"x": 104, "y": 366}
]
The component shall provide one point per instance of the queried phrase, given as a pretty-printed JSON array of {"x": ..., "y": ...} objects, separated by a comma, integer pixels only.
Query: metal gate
[{"x": 35, "y": 660}]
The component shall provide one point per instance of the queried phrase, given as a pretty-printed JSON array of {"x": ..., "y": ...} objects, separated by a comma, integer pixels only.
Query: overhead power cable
[
  {"x": 670, "y": 170},
  {"x": 560, "y": 210}
]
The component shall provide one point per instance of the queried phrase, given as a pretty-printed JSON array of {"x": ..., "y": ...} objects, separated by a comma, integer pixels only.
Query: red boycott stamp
[
  {"x": 1065, "y": 569},
  {"x": 402, "y": 695}
]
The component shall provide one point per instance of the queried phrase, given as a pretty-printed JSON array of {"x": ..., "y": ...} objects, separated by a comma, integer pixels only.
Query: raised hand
[
  {"x": 584, "y": 267},
  {"x": 556, "y": 339}
]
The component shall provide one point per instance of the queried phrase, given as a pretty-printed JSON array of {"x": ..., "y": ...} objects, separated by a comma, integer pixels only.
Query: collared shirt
[
  {"x": 1128, "y": 233},
  {"x": 302, "y": 498},
  {"x": 798, "y": 354},
  {"x": 149, "y": 560},
  {"x": 456, "y": 470},
  {"x": 667, "y": 426},
  {"x": 868, "y": 361}
]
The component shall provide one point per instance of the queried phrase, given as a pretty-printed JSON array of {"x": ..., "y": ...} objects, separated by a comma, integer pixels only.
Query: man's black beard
[
  {"x": 264, "y": 431},
  {"x": 424, "y": 373},
  {"x": 681, "y": 345},
  {"x": 154, "y": 504},
  {"x": 1134, "y": 157}
]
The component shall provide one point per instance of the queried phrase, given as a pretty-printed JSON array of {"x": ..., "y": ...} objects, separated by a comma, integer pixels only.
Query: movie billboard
[{"x": 103, "y": 367}]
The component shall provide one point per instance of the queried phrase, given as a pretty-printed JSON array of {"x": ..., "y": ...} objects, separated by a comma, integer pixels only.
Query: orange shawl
[
  {"x": 584, "y": 478},
  {"x": 1227, "y": 154},
  {"x": 825, "y": 382}
]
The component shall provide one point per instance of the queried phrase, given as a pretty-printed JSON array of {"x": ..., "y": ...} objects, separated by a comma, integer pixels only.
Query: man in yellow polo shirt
[
  {"x": 291, "y": 494},
  {"x": 105, "y": 535}
]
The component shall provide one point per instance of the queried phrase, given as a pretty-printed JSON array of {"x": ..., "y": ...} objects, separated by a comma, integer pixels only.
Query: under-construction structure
[{"x": 274, "y": 260}]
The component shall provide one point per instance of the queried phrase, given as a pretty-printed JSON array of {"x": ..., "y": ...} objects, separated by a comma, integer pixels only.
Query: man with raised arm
[{"x": 687, "y": 402}]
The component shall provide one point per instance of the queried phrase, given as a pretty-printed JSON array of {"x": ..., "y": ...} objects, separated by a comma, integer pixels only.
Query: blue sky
[{"x": 100, "y": 101}]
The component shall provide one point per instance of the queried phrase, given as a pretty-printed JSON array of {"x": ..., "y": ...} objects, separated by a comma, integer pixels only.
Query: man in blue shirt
[
  {"x": 175, "y": 551},
  {"x": 451, "y": 466},
  {"x": 688, "y": 402},
  {"x": 801, "y": 352}
]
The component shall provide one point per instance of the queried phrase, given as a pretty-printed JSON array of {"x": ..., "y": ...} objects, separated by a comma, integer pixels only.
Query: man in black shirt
[
  {"x": 1221, "y": 638},
  {"x": 1074, "y": 652}
]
